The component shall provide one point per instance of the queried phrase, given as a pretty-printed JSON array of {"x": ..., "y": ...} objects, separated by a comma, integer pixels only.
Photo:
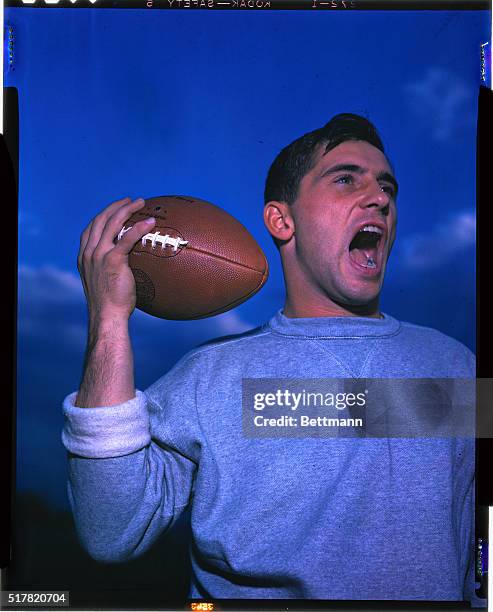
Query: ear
[{"x": 279, "y": 220}]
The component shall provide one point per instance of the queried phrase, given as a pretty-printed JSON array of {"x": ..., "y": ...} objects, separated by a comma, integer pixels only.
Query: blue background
[{"x": 145, "y": 103}]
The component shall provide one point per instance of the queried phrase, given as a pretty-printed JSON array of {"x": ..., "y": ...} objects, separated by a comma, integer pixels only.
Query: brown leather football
[{"x": 196, "y": 262}]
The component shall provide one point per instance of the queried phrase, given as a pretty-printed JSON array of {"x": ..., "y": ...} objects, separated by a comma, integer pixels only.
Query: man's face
[{"x": 344, "y": 223}]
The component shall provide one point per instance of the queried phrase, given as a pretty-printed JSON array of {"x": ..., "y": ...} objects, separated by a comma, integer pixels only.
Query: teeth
[{"x": 371, "y": 228}]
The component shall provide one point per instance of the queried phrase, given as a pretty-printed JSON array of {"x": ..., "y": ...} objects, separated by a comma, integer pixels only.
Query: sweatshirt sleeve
[{"x": 128, "y": 479}]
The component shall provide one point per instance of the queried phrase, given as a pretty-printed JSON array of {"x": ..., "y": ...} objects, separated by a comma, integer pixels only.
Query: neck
[{"x": 300, "y": 308}]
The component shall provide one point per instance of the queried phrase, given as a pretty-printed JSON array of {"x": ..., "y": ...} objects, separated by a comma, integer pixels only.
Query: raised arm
[
  {"x": 124, "y": 488},
  {"x": 109, "y": 286}
]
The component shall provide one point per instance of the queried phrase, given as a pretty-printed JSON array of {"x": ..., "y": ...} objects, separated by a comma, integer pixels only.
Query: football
[{"x": 198, "y": 260}]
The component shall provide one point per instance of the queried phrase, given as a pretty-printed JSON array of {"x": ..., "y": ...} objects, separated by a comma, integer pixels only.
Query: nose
[{"x": 376, "y": 197}]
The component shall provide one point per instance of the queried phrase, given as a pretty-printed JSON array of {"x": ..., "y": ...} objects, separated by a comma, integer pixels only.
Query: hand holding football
[{"x": 196, "y": 262}]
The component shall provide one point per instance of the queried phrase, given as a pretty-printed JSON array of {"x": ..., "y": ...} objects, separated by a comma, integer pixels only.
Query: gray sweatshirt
[{"x": 282, "y": 517}]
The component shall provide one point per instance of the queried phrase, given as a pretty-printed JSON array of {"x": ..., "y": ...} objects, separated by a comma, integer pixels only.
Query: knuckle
[
  {"x": 88, "y": 262},
  {"x": 121, "y": 201},
  {"x": 124, "y": 212},
  {"x": 123, "y": 204},
  {"x": 144, "y": 227},
  {"x": 100, "y": 214},
  {"x": 118, "y": 219},
  {"x": 113, "y": 257},
  {"x": 98, "y": 253}
]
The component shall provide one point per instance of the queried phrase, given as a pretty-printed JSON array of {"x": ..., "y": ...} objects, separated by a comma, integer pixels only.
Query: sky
[{"x": 147, "y": 103}]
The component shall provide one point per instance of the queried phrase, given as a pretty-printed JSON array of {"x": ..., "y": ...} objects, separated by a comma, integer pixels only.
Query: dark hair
[{"x": 295, "y": 160}]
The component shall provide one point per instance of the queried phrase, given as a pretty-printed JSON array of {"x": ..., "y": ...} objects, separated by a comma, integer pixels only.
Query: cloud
[
  {"x": 49, "y": 285},
  {"x": 52, "y": 311},
  {"x": 441, "y": 244},
  {"x": 52, "y": 336},
  {"x": 442, "y": 101}
]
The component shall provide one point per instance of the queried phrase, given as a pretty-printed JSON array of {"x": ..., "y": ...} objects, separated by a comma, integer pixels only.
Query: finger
[
  {"x": 86, "y": 247},
  {"x": 86, "y": 233},
  {"x": 133, "y": 235},
  {"x": 116, "y": 204},
  {"x": 116, "y": 222},
  {"x": 99, "y": 222},
  {"x": 83, "y": 241}
]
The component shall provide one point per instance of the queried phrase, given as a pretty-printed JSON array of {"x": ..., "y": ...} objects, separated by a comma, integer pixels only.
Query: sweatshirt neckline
[{"x": 334, "y": 327}]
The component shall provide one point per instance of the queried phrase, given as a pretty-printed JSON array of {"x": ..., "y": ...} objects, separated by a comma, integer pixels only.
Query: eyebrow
[{"x": 382, "y": 176}]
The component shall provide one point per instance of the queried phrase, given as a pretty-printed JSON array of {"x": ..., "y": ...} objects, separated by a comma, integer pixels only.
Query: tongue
[
  {"x": 361, "y": 256},
  {"x": 364, "y": 247}
]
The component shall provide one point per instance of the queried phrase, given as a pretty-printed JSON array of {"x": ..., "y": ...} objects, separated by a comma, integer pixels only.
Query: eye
[
  {"x": 347, "y": 179},
  {"x": 388, "y": 189}
]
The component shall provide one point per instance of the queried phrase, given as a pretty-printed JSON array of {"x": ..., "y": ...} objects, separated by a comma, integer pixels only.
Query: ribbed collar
[{"x": 335, "y": 327}]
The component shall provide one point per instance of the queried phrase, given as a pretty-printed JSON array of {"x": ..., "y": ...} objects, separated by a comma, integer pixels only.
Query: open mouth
[{"x": 365, "y": 249}]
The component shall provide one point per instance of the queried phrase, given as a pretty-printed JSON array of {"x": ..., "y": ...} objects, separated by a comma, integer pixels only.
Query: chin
[{"x": 361, "y": 299}]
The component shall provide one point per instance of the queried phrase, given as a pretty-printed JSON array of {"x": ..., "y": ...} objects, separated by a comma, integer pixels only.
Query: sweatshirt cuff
[{"x": 107, "y": 431}]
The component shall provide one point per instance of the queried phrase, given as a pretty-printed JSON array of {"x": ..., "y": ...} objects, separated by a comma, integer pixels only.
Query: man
[{"x": 277, "y": 517}]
